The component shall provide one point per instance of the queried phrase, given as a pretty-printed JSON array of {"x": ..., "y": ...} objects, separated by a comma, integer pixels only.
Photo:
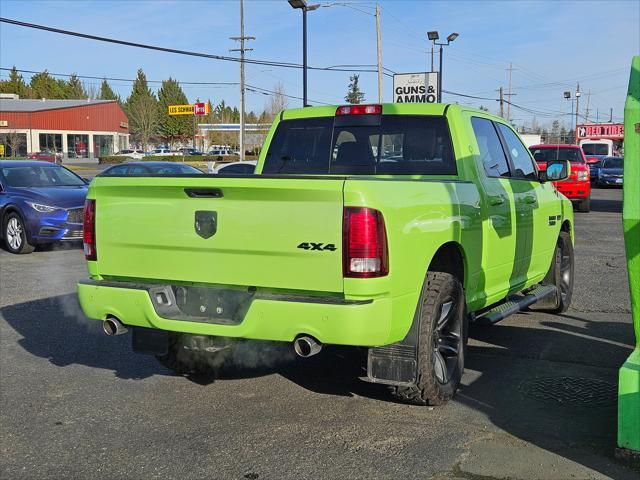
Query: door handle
[
  {"x": 203, "y": 192},
  {"x": 496, "y": 200}
]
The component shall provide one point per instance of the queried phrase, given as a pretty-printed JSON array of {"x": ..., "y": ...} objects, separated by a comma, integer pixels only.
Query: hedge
[{"x": 175, "y": 158}]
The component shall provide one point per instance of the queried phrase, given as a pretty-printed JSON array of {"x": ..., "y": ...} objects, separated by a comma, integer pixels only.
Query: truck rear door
[{"x": 265, "y": 232}]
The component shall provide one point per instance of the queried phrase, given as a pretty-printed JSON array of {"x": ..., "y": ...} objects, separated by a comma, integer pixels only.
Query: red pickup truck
[{"x": 577, "y": 187}]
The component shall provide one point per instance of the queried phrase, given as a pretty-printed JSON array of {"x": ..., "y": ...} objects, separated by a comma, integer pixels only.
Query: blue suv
[{"x": 40, "y": 203}]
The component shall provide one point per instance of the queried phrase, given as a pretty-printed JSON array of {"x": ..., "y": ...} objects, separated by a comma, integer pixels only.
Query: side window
[
  {"x": 491, "y": 152},
  {"x": 119, "y": 170},
  {"x": 520, "y": 155}
]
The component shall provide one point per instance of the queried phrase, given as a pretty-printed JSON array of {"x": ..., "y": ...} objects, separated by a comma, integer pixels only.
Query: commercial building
[{"x": 71, "y": 128}]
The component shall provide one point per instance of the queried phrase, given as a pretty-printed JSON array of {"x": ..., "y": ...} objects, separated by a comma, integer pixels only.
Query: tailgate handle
[{"x": 203, "y": 192}]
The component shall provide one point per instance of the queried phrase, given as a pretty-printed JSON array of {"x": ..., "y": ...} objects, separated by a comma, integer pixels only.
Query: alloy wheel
[
  {"x": 446, "y": 341},
  {"x": 14, "y": 233}
]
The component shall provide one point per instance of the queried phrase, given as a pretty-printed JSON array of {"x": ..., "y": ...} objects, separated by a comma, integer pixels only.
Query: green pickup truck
[{"x": 387, "y": 227}]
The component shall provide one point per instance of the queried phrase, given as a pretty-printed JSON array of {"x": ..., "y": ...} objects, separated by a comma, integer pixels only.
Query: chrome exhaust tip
[
  {"x": 306, "y": 346},
  {"x": 112, "y": 326}
]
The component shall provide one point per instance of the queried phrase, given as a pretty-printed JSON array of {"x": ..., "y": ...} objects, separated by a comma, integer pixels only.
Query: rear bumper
[
  {"x": 357, "y": 323},
  {"x": 574, "y": 190}
]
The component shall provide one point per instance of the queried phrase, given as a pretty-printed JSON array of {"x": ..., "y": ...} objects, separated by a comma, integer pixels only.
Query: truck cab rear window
[{"x": 400, "y": 145}]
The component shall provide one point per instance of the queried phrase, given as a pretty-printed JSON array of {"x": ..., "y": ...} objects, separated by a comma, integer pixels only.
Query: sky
[{"x": 551, "y": 45}]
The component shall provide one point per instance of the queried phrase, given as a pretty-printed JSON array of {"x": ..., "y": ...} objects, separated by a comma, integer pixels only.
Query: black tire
[
  {"x": 585, "y": 205},
  {"x": 438, "y": 375},
  {"x": 15, "y": 235},
  {"x": 561, "y": 275},
  {"x": 185, "y": 361}
]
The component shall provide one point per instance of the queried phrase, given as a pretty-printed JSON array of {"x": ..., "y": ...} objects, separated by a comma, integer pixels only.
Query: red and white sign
[
  {"x": 200, "y": 109},
  {"x": 595, "y": 131}
]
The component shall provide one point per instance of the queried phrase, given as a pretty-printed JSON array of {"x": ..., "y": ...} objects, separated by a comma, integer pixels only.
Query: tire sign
[{"x": 415, "y": 87}]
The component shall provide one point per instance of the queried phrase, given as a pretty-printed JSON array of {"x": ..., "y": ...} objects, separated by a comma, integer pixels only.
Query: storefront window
[
  {"x": 102, "y": 145},
  {"x": 14, "y": 144},
  {"x": 78, "y": 146},
  {"x": 51, "y": 142}
]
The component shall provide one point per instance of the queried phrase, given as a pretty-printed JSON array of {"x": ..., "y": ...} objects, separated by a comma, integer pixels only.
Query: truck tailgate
[{"x": 217, "y": 230}]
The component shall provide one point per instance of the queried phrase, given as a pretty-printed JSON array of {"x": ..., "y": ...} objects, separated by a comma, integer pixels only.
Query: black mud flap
[
  {"x": 395, "y": 364},
  {"x": 150, "y": 341}
]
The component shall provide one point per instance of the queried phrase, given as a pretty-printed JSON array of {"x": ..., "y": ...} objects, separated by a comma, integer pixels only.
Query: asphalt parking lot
[{"x": 537, "y": 401}]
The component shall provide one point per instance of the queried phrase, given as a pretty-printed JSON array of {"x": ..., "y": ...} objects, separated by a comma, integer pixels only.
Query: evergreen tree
[
  {"x": 15, "y": 84},
  {"x": 354, "y": 95},
  {"x": 74, "y": 89},
  {"x": 172, "y": 127},
  {"x": 44, "y": 85},
  {"x": 106, "y": 93},
  {"x": 142, "y": 109}
]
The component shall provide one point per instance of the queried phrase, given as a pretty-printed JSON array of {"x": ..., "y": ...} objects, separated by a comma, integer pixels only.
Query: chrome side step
[{"x": 514, "y": 304}]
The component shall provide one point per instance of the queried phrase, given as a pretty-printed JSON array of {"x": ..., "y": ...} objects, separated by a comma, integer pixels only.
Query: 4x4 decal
[{"x": 317, "y": 246}]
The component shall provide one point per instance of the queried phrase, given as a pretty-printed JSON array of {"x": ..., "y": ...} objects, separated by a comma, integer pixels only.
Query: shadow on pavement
[
  {"x": 605, "y": 205},
  {"x": 500, "y": 360}
]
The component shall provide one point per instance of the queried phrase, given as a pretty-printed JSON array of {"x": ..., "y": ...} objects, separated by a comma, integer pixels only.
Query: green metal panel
[{"x": 629, "y": 380}]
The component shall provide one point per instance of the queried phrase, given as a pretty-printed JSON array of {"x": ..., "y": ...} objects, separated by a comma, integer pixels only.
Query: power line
[
  {"x": 255, "y": 88},
  {"x": 271, "y": 63}
]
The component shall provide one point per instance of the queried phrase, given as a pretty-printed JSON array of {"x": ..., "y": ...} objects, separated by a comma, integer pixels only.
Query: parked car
[
  {"x": 150, "y": 168},
  {"x": 611, "y": 172},
  {"x": 577, "y": 187},
  {"x": 191, "y": 152},
  {"x": 220, "y": 153},
  {"x": 392, "y": 254},
  {"x": 44, "y": 156},
  {"x": 40, "y": 203},
  {"x": 237, "y": 168},
  {"x": 163, "y": 152},
  {"x": 594, "y": 162},
  {"x": 135, "y": 154}
]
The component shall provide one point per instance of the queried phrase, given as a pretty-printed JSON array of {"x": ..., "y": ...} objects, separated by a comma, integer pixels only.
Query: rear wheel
[
  {"x": 194, "y": 354},
  {"x": 441, "y": 342},
  {"x": 15, "y": 236},
  {"x": 561, "y": 275}
]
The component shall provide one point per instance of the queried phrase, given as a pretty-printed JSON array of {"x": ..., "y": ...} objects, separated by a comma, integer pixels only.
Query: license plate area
[{"x": 201, "y": 304}]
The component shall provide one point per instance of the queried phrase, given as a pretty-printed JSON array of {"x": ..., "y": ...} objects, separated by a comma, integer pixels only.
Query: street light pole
[
  {"x": 440, "y": 79},
  {"x": 304, "y": 57},
  {"x": 302, "y": 4},
  {"x": 433, "y": 36}
]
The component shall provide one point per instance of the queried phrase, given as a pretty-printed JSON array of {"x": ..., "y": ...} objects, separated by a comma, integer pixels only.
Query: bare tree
[
  {"x": 14, "y": 141},
  {"x": 277, "y": 101}
]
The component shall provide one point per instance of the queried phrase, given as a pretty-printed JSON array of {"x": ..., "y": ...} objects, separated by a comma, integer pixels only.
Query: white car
[
  {"x": 137, "y": 154},
  {"x": 220, "y": 153},
  {"x": 237, "y": 168}
]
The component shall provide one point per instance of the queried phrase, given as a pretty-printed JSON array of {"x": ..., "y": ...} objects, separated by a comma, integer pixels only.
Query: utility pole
[
  {"x": 501, "y": 103},
  {"x": 577, "y": 105},
  {"x": 509, "y": 94},
  {"x": 586, "y": 113},
  {"x": 242, "y": 39},
  {"x": 379, "y": 49},
  {"x": 432, "y": 53},
  {"x": 611, "y": 115}
]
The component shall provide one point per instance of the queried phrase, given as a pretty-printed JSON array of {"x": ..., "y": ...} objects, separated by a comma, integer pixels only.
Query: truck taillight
[
  {"x": 89, "y": 230},
  {"x": 359, "y": 110},
  {"x": 365, "y": 253}
]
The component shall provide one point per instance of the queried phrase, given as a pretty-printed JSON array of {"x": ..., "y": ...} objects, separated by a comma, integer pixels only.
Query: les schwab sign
[
  {"x": 415, "y": 87},
  {"x": 198, "y": 109},
  {"x": 612, "y": 131}
]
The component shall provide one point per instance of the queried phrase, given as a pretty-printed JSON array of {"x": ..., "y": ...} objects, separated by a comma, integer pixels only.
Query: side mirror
[{"x": 557, "y": 170}]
